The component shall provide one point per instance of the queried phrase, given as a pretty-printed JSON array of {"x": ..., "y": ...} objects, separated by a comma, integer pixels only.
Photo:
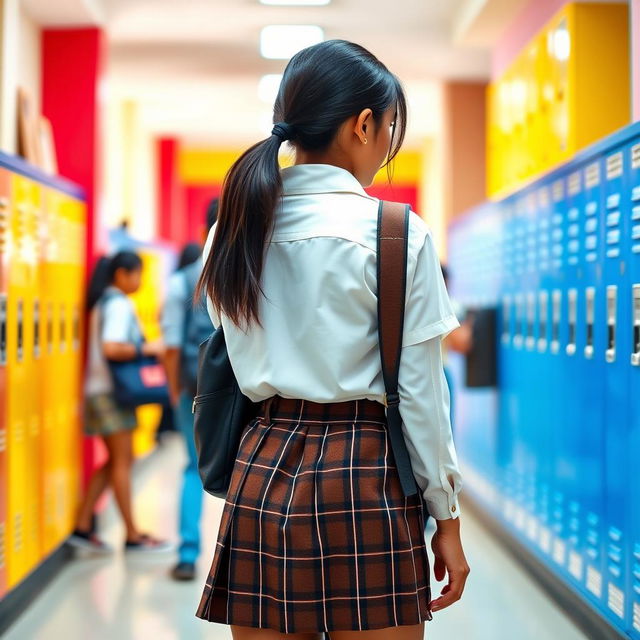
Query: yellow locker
[
  {"x": 72, "y": 286},
  {"x": 52, "y": 489},
  {"x": 23, "y": 383},
  {"x": 571, "y": 81}
]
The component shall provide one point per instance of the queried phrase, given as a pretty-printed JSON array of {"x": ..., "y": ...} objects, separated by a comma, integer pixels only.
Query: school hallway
[{"x": 133, "y": 598}]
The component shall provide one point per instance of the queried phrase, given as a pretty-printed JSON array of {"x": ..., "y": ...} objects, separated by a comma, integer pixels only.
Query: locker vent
[
  {"x": 592, "y": 175},
  {"x": 594, "y": 582},
  {"x": 558, "y": 191},
  {"x": 574, "y": 183},
  {"x": 616, "y": 600},
  {"x": 635, "y": 156},
  {"x": 636, "y": 616},
  {"x": 575, "y": 565},
  {"x": 615, "y": 165},
  {"x": 543, "y": 197},
  {"x": 18, "y": 541}
]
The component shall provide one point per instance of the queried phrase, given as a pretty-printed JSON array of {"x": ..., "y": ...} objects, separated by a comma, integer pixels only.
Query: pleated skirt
[{"x": 316, "y": 533}]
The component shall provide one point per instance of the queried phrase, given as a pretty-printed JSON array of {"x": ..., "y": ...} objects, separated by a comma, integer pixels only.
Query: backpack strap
[{"x": 393, "y": 244}]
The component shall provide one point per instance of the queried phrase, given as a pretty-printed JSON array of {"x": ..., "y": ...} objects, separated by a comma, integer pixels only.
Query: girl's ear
[{"x": 361, "y": 124}]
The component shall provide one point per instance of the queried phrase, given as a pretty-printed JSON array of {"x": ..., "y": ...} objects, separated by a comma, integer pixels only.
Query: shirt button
[{"x": 453, "y": 508}]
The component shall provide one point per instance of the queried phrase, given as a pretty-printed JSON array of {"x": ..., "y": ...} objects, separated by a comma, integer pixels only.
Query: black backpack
[
  {"x": 197, "y": 328},
  {"x": 221, "y": 414}
]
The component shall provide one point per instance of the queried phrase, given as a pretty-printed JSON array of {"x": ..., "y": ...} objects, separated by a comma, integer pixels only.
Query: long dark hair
[
  {"x": 322, "y": 87},
  {"x": 105, "y": 271}
]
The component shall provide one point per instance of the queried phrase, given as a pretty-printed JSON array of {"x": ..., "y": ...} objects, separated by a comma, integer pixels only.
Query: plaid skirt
[{"x": 316, "y": 534}]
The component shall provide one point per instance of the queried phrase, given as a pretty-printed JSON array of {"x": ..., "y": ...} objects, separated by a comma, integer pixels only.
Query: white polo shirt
[{"x": 318, "y": 340}]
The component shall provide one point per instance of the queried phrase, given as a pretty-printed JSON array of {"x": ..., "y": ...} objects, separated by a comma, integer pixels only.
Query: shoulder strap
[{"x": 393, "y": 243}]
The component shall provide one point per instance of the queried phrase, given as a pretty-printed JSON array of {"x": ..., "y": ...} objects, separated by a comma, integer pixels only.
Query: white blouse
[{"x": 318, "y": 340}]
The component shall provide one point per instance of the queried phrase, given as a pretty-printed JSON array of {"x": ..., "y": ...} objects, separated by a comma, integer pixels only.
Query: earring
[{"x": 365, "y": 141}]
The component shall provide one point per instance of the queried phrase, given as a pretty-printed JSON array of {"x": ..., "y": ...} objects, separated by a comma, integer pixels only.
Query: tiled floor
[{"x": 122, "y": 598}]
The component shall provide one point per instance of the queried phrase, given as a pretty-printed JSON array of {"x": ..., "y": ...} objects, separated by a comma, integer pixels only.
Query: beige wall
[
  {"x": 19, "y": 66},
  {"x": 464, "y": 147}
]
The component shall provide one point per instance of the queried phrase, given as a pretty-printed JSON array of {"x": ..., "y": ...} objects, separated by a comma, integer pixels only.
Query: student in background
[
  {"x": 459, "y": 340},
  {"x": 185, "y": 325},
  {"x": 114, "y": 334}
]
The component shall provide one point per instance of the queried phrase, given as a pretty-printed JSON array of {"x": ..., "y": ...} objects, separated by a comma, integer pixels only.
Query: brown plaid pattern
[{"x": 316, "y": 533}]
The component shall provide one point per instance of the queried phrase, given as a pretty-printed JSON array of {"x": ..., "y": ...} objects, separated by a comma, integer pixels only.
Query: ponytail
[
  {"x": 105, "y": 271},
  {"x": 322, "y": 87},
  {"x": 232, "y": 272}
]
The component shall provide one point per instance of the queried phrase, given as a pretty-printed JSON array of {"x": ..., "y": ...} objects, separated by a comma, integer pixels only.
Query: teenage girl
[
  {"x": 316, "y": 534},
  {"x": 114, "y": 334}
]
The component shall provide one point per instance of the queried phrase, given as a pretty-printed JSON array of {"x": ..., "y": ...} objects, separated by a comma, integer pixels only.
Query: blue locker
[
  {"x": 559, "y": 344},
  {"x": 617, "y": 354},
  {"x": 544, "y": 449},
  {"x": 633, "y": 217},
  {"x": 568, "y": 524},
  {"x": 590, "y": 428}
]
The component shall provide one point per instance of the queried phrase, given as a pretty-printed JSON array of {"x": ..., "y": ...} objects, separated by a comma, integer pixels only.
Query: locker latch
[
  {"x": 531, "y": 320},
  {"x": 590, "y": 318},
  {"x": 36, "y": 329},
  {"x": 556, "y": 307},
  {"x": 542, "y": 321},
  {"x": 635, "y": 356},
  {"x": 20, "y": 341},
  {"x": 573, "y": 313},
  {"x": 3, "y": 330},
  {"x": 612, "y": 297}
]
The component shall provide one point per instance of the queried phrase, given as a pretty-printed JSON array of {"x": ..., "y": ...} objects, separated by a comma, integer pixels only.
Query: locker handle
[
  {"x": 3, "y": 330},
  {"x": 36, "y": 328},
  {"x": 590, "y": 309},
  {"x": 50, "y": 329},
  {"x": 573, "y": 302},
  {"x": 20, "y": 341},
  {"x": 542, "y": 322},
  {"x": 555, "y": 325},
  {"x": 612, "y": 292},
  {"x": 635, "y": 356}
]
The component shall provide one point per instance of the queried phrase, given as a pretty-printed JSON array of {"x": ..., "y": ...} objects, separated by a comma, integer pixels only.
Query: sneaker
[
  {"x": 147, "y": 544},
  {"x": 184, "y": 571},
  {"x": 88, "y": 541}
]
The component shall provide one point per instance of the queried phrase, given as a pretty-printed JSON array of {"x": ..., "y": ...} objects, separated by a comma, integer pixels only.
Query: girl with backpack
[{"x": 318, "y": 533}]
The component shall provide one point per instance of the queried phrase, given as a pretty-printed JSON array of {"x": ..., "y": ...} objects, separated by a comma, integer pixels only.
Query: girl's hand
[{"x": 449, "y": 559}]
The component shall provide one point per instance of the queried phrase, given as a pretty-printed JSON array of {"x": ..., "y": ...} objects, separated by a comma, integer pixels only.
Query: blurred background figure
[
  {"x": 459, "y": 340},
  {"x": 114, "y": 335},
  {"x": 185, "y": 325}
]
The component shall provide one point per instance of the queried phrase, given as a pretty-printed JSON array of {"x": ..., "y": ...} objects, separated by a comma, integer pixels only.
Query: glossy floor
[{"x": 124, "y": 598}]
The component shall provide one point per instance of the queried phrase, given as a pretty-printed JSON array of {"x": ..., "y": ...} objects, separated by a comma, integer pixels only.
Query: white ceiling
[{"x": 193, "y": 65}]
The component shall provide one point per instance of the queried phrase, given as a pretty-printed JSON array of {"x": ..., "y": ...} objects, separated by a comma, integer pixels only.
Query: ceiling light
[
  {"x": 296, "y": 3},
  {"x": 268, "y": 87},
  {"x": 280, "y": 42}
]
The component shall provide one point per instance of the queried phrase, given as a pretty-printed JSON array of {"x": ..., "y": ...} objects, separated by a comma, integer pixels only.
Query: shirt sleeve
[
  {"x": 174, "y": 311},
  {"x": 428, "y": 310},
  {"x": 215, "y": 318},
  {"x": 116, "y": 320},
  {"x": 424, "y": 393},
  {"x": 424, "y": 407}
]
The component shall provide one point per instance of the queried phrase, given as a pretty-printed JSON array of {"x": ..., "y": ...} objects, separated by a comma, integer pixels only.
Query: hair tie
[{"x": 284, "y": 131}]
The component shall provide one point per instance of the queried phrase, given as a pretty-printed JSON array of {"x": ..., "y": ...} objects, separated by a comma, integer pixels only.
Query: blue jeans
[
  {"x": 449, "y": 378},
  {"x": 191, "y": 499}
]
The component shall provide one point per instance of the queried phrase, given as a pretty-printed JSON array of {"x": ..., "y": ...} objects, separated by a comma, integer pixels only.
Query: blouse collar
[{"x": 305, "y": 179}]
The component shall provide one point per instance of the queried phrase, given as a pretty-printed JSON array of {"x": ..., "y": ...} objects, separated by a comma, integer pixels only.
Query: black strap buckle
[{"x": 391, "y": 399}]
